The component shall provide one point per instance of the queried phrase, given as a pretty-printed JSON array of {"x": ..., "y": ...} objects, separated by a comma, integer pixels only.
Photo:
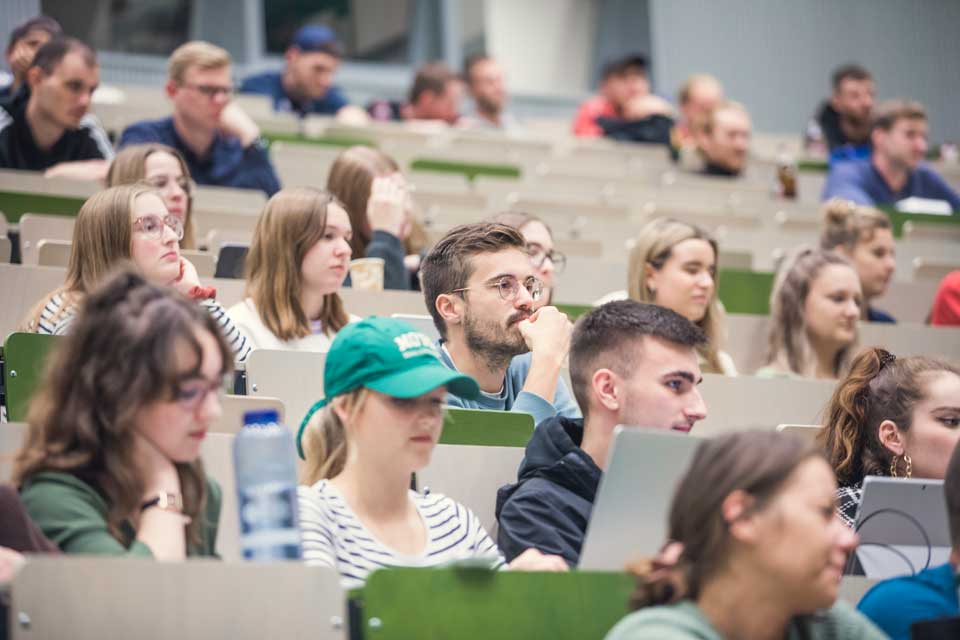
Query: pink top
[{"x": 585, "y": 122}]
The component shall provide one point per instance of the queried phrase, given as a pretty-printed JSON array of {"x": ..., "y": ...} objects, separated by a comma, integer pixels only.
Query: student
[
  {"x": 25, "y": 40},
  {"x": 296, "y": 265},
  {"x": 434, "y": 96},
  {"x": 698, "y": 96},
  {"x": 129, "y": 222},
  {"x": 480, "y": 288},
  {"x": 946, "y": 302},
  {"x": 111, "y": 462},
  {"x": 485, "y": 81},
  {"x": 622, "y": 80},
  {"x": 47, "y": 126},
  {"x": 842, "y": 123},
  {"x": 895, "y": 604},
  {"x": 674, "y": 264},
  {"x": 630, "y": 364},
  {"x": 865, "y": 237},
  {"x": 539, "y": 238},
  {"x": 221, "y": 144},
  {"x": 761, "y": 552},
  {"x": 890, "y": 417},
  {"x": 384, "y": 391},
  {"x": 724, "y": 140},
  {"x": 164, "y": 169},
  {"x": 378, "y": 199},
  {"x": 814, "y": 308}
]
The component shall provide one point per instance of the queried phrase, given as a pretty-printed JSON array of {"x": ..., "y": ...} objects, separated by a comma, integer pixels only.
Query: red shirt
[
  {"x": 946, "y": 302},
  {"x": 585, "y": 122}
]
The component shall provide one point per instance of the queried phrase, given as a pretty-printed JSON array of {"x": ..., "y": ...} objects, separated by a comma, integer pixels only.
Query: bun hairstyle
[
  {"x": 756, "y": 462},
  {"x": 879, "y": 387},
  {"x": 846, "y": 224},
  {"x": 789, "y": 347}
]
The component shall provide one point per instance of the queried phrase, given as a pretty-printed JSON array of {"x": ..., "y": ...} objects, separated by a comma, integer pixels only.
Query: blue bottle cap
[{"x": 261, "y": 416}]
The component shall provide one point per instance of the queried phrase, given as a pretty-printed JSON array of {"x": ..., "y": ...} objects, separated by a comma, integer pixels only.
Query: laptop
[
  {"x": 903, "y": 526},
  {"x": 629, "y": 518}
]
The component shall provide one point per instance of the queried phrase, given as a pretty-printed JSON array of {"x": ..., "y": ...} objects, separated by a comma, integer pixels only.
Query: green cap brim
[
  {"x": 411, "y": 383},
  {"x": 319, "y": 404}
]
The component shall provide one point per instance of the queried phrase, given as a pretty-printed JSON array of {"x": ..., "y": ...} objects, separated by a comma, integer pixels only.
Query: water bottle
[{"x": 266, "y": 473}]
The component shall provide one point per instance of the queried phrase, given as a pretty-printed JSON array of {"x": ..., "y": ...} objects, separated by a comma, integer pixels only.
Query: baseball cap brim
[{"x": 417, "y": 381}]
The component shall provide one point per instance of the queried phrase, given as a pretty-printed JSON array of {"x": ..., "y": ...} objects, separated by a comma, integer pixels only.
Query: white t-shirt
[
  {"x": 247, "y": 318},
  {"x": 334, "y": 537}
]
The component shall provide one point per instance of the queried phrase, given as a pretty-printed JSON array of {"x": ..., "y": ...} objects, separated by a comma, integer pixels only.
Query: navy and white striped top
[{"x": 334, "y": 537}]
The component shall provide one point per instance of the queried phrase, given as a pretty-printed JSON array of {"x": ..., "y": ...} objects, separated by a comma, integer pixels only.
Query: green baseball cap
[{"x": 389, "y": 356}]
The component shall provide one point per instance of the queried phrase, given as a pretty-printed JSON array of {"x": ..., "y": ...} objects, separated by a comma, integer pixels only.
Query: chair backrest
[
  {"x": 294, "y": 377},
  {"x": 382, "y": 303},
  {"x": 422, "y": 323},
  {"x": 21, "y": 287},
  {"x": 231, "y": 420},
  {"x": 76, "y": 597},
  {"x": 205, "y": 262},
  {"x": 53, "y": 253},
  {"x": 805, "y": 431},
  {"x": 745, "y": 291},
  {"x": 231, "y": 260},
  {"x": 25, "y": 355},
  {"x": 12, "y": 435},
  {"x": 936, "y": 270},
  {"x": 6, "y": 248},
  {"x": 36, "y": 227},
  {"x": 486, "y": 428},
  {"x": 464, "y": 603},
  {"x": 15, "y": 203}
]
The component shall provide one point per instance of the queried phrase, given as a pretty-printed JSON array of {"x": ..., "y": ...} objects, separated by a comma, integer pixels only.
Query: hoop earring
[{"x": 894, "y": 466}]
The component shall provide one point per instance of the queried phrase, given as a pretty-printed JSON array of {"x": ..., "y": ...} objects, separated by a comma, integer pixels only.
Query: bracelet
[{"x": 165, "y": 500}]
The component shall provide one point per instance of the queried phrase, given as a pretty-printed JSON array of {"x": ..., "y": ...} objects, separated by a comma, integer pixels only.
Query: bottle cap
[{"x": 261, "y": 416}]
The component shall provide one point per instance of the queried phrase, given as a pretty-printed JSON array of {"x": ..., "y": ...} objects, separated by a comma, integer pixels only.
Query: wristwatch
[{"x": 165, "y": 500}]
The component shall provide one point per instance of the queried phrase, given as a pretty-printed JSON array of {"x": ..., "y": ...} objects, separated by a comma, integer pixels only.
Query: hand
[
  {"x": 159, "y": 472},
  {"x": 412, "y": 262},
  {"x": 20, "y": 60},
  {"x": 188, "y": 278},
  {"x": 10, "y": 563},
  {"x": 387, "y": 205},
  {"x": 235, "y": 123},
  {"x": 547, "y": 331},
  {"x": 646, "y": 106},
  {"x": 533, "y": 560}
]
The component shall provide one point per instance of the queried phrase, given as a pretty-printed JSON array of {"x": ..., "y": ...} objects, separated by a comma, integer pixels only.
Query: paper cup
[{"x": 366, "y": 274}]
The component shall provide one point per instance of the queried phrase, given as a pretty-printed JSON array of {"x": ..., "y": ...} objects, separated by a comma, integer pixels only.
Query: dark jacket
[
  {"x": 828, "y": 121},
  {"x": 549, "y": 507}
]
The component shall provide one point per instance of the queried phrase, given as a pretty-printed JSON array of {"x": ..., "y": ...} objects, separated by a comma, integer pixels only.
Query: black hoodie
[{"x": 549, "y": 507}]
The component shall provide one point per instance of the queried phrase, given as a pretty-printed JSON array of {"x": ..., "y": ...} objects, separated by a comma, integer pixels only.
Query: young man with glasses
[
  {"x": 46, "y": 126},
  {"x": 221, "y": 144},
  {"x": 480, "y": 287}
]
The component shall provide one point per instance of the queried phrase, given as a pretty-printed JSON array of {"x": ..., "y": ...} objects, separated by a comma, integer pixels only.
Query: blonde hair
[
  {"x": 197, "y": 53},
  {"x": 351, "y": 180},
  {"x": 847, "y": 224},
  {"x": 325, "y": 438},
  {"x": 101, "y": 239},
  {"x": 789, "y": 346},
  {"x": 710, "y": 120},
  {"x": 130, "y": 165},
  {"x": 654, "y": 245},
  {"x": 292, "y": 222}
]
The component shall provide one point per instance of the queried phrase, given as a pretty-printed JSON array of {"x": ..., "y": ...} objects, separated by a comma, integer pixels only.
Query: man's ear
[
  {"x": 605, "y": 385},
  {"x": 34, "y": 76},
  {"x": 891, "y": 437},
  {"x": 450, "y": 307},
  {"x": 171, "y": 89}
]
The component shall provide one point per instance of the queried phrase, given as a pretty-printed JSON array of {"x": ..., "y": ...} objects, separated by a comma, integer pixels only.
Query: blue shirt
[
  {"x": 895, "y": 604},
  {"x": 270, "y": 83},
  {"x": 513, "y": 398},
  {"x": 859, "y": 181},
  {"x": 227, "y": 163}
]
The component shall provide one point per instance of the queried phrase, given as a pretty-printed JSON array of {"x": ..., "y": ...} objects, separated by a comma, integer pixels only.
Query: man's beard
[
  {"x": 495, "y": 345},
  {"x": 485, "y": 105}
]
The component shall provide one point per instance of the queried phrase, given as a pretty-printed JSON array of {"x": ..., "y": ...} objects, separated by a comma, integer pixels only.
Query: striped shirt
[
  {"x": 58, "y": 313},
  {"x": 334, "y": 537}
]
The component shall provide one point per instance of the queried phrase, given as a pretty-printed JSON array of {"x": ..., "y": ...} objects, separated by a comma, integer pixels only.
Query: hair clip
[{"x": 886, "y": 358}]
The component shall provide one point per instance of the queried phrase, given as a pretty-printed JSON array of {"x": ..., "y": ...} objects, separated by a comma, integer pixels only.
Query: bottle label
[{"x": 269, "y": 527}]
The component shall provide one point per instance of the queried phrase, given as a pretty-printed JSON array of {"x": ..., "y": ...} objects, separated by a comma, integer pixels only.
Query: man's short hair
[
  {"x": 39, "y": 23},
  {"x": 197, "y": 53},
  {"x": 53, "y": 52},
  {"x": 609, "y": 337},
  {"x": 724, "y": 105},
  {"x": 634, "y": 62},
  {"x": 951, "y": 494},
  {"x": 683, "y": 96},
  {"x": 433, "y": 77},
  {"x": 849, "y": 72},
  {"x": 448, "y": 266},
  {"x": 887, "y": 114},
  {"x": 470, "y": 63}
]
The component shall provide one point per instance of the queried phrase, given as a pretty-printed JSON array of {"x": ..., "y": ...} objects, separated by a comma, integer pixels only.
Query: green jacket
[
  {"x": 74, "y": 515},
  {"x": 685, "y": 621}
]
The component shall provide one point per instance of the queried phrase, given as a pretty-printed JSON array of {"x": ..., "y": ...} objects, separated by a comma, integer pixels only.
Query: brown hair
[
  {"x": 518, "y": 220},
  {"x": 879, "y": 387},
  {"x": 101, "y": 238},
  {"x": 846, "y": 224},
  {"x": 351, "y": 181},
  {"x": 849, "y": 72},
  {"x": 789, "y": 346},
  {"x": 119, "y": 358},
  {"x": 887, "y": 114},
  {"x": 654, "y": 245},
  {"x": 448, "y": 266},
  {"x": 325, "y": 439},
  {"x": 432, "y": 77},
  {"x": 57, "y": 48},
  {"x": 951, "y": 493},
  {"x": 130, "y": 165},
  {"x": 756, "y": 462},
  {"x": 197, "y": 53},
  {"x": 292, "y": 222},
  {"x": 710, "y": 119}
]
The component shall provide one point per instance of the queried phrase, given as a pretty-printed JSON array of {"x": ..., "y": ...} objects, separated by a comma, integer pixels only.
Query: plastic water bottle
[{"x": 266, "y": 473}]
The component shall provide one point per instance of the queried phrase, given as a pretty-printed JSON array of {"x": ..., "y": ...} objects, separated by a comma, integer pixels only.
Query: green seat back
[
  {"x": 324, "y": 140},
  {"x": 469, "y": 169},
  {"x": 16, "y": 203},
  {"x": 487, "y": 428},
  {"x": 745, "y": 291},
  {"x": 430, "y": 604},
  {"x": 574, "y": 311},
  {"x": 24, "y": 356},
  {"x": 897, "y": 218}
]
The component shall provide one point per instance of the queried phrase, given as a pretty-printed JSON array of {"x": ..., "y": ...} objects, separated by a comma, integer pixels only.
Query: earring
[
  {"x": 909, "y": 470},
  {"x": 894, "y": 470}
]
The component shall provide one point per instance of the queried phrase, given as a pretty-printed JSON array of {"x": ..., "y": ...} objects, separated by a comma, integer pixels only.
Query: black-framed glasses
[
  {"x": 191, "y": 394},
  {"x": 211, "y": 91},
  {"x": 509, "y": 287},
  {"x": 152, "y": 226},
  {"x": 162, "y": 182},
  {"x": 538, "y": 256}
]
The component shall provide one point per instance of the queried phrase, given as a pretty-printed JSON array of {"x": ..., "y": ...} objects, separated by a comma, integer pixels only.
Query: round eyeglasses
[
  {"x": 509, "y": 287},
  {"x": 152, "y": 226}
]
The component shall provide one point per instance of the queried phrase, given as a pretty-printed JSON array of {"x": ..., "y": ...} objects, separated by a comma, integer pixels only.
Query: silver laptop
[
  {"x": 629, "y": 518},
  {"x": 903, "y": 526}
]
